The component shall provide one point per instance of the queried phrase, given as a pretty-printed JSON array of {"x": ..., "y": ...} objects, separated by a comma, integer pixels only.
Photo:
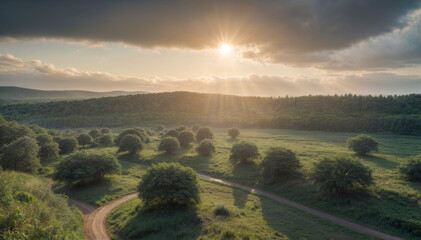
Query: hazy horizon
[{"x": 246, "y": 48}]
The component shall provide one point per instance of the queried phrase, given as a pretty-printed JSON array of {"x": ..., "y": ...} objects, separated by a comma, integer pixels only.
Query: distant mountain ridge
[{"x": 27, "y": 94}]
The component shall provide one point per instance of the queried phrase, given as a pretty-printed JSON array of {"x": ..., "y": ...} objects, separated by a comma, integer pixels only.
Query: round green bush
[
  {"x": 49, "y": 149},
  {"x": 84, "y": 139},
  {"x": 279, "y": 163},
  {"x": 243, "y": 152},
  {"x": 86, "y": 167},
  {"x": 411, "y": 169},
  {"x": 172, "y": 133},
  {"x": 106, "y": 140},
  {"x": 340, "y": 175},
  {"x": 203, "y": 133},
  {"x": 10, "y": 131},
  {"x": 205, "y": 148},
  {"x": 21, "y": 155},
  {"x": 67, "y": 145},
  {"x": 233, "y": 132},
  {"x": 169, "y": 144},
  {"x": 140, "y": 132},
  {"x": 185, "y": 138},
  {"x": 105, "y": 131},
  {"x": 169, "y": 185},
  {"x": 130, "y": 143},
  {"x": 95, "y": 133},
  {"x": 362, "y": 144}
]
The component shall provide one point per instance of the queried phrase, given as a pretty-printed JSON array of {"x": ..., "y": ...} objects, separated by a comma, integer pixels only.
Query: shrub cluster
[
  {"x": 243, "y": 152},
  {"x": 340, "y": 175},
  {"x": 205, "y": 147},
  {"x": 131, "y": 143},
  {"x": 411, "y": 169},
  {"x": 169, "y": 185},
  {"x": 86, "y": 167},
  {"x": 362, "y": 144},
  {"x": 233, "y": 132},
  {"x": 169, "y": 144}
]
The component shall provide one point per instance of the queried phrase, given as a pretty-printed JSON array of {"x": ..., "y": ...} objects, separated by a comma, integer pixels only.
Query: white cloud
[{"x": 35, "y": 74}]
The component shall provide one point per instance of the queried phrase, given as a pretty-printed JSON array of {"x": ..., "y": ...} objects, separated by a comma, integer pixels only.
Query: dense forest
[{"x": 399, "y": 114}]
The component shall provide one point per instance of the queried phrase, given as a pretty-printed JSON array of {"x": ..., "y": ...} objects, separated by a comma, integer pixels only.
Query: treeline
[{"x": 399, "y": 114}]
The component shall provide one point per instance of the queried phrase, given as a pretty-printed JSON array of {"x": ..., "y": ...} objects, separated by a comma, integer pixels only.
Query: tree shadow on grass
[
  {"x": 248, "y": 173},
  {"x": 198, "y": 162},
  {"x": 295, "y": 224},
  {"x": 163, "y": 224},
  {"x": 232, "y": 140},
  {"x": 134, "y": 157},
  {"x": 95, "y": 193},
  {"x": 379, "y": 161}
]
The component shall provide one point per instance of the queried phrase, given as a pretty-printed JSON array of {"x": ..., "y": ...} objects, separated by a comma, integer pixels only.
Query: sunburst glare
[{"x": 225, "y": 49}]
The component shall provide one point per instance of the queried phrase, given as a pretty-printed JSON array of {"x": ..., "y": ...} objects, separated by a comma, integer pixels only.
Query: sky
[{"x": 241, "y": 47}]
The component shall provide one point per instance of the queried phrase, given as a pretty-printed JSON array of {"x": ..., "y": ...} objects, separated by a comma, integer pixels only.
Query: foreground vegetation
[
  {"x": 29, "y": 210},
  {"x": 351, "y": 113},
  {"x": 382, "y": 192},
  {"x": 224, "y": 213}
]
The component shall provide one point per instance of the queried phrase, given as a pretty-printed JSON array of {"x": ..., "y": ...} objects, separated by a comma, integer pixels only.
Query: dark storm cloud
[{"x": 288, "y": 31}]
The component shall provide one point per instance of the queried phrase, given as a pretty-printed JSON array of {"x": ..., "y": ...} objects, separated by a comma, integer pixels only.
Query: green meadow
[{"x": 391, "y": 205}]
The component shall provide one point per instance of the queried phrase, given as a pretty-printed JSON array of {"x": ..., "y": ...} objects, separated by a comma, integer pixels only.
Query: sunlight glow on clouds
[
  {"x": 246, "y": 47},
  {"x": 35, "y": 74}
]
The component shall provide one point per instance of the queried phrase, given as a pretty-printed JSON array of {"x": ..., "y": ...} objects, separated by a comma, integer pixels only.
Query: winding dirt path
[{"x": 95, "y": 226}]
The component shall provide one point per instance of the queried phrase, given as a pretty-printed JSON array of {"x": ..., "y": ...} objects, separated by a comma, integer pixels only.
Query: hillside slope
[{"x": 26, "y": 94}]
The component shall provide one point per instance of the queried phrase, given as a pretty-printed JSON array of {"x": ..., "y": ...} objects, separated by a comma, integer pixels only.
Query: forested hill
[
  {"x": 15, "y": 94},
  {"x": 401, "y": 114}
]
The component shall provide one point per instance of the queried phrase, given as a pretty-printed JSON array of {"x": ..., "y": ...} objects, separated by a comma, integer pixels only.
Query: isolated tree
[
  {"x": 67, "y": 145},
  {"x": 172, "y": 133},
  {"x": 185, "y": 138},
  {"x": 84, "y": 139},
  {"x": 340, "y": 175},
  {"x": 243, "y": 152},
  {"x": 105, "y": 140},
  {"x": 48, "y": 148},
  {"x": 141, "y": 133},
  {"x": 131, "y": 143},
  {"x": 362, "y": 144},
  {"x": 169, "y": 185},
  {"x": 86, "y": 167},
  {"x": 10, "y": 131},
  {"x": 105, "y": 131},
  {"x": 279, "y": 163},
  {"x": 205, "y": 147},
  {"x": 95, "y": 133},
  {"x": 169, "y": 144},
  {"x": 233, "y": 132},
  {"x": 203, "y": 133},
  {"x": 411, "y": 169},
  {"x": 21, "y": 155}
]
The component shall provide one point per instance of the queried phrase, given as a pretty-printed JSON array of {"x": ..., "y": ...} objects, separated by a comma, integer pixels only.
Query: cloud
[
  {"x": 35, "y": 74},
  {"x": 399, "y": 48},
  {"x": 293, "y": 32}
]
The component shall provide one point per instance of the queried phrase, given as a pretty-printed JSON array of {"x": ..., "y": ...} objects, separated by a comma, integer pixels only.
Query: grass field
[
  {"x": 392, "y": 205},
  {"x": 250, "y": 217}
]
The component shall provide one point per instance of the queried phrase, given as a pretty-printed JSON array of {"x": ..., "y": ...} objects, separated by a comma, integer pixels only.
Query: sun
[{"x": 225, "y": 49}]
